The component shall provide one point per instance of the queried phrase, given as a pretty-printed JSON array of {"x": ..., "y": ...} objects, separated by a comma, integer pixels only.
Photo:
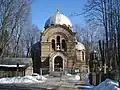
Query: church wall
[
  {"x": 71, "y": 53},
  {"x": 52, "y": 34},
  {"x": 80, "y": 60},
  {"x": 45, "y": 51},
  {"x": 56, "y": 30},
  {"x": 79, "y": 55},
  {"x": 46, "y": 47}
]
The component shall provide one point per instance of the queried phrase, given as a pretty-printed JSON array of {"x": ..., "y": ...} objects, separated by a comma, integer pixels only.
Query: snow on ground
[
  {"x": 74, "y": 77},
  {"x": 39, "y": 77},
  {"x": 107, "y": 85},
  {"x": 25, "y": 79}
]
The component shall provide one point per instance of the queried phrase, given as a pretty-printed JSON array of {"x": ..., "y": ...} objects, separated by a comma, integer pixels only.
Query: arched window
[
  {"x": 64, "y": 46},
  {"x": 53, "y": 44},
  {"x": 58, "y": 40},
  {"x": 83, "y": 55}
]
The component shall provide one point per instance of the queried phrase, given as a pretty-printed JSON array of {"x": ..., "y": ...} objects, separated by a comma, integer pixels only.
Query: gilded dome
[{"x": 58, "y": 19}]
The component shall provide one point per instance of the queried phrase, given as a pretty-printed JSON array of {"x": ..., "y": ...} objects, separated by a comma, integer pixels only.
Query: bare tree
[
  {"x": 89, "y": 36},
  {"x": 13, "y": 14},
  {"x": 30, "y": 36},
  {"x": 108, "y": 13}
]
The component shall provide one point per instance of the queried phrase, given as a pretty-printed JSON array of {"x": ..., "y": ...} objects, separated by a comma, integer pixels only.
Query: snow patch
[
  {"x": 107, "y": 85},
  {"x": 77, "y": 77},
  {"x": 69, "y": 74},
  {"x": 25, "y": 79},
  {"x": 73, "y": 77}
]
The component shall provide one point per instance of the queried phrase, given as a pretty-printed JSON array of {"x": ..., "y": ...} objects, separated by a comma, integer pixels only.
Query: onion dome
[{"x": 58, "y": 19}]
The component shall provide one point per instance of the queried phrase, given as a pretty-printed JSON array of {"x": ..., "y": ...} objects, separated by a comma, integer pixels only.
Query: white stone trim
[{"x": 62, "y": 56}]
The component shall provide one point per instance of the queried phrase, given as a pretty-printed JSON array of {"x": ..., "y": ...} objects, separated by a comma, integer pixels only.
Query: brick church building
[{"x": 58, "y": 47}]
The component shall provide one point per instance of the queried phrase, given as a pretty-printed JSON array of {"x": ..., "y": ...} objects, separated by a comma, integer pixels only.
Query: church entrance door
[{"x": 58, "y": 63}]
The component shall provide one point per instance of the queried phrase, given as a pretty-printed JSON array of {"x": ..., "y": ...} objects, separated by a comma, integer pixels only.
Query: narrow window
[
  {"x": 53, "y": 44},
  {"x": 64, "y": 46},
  {"x": 58, "y": 40},
  {"x": 82, "y": 55}
]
